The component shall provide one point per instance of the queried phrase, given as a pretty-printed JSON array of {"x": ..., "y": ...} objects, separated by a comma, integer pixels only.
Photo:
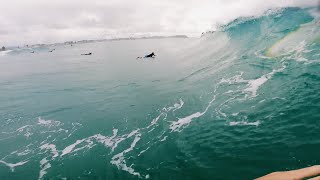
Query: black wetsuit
[{"x": 150, "y": 55}]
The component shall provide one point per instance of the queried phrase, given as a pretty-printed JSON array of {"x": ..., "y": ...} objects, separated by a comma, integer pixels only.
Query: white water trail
[
  {"x": 12, "y": 166},
  {"x": 255, "y": 84},
  {"x": 176, "y": 126}
]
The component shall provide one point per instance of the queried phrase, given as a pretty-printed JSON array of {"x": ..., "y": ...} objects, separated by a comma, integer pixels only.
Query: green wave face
[
  {"x": 279, "y": 32},
  {"x": 303, "y": 36}
]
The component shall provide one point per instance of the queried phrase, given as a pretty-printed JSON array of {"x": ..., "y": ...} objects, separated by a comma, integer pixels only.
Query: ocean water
[{"x": 236, "y": 104}]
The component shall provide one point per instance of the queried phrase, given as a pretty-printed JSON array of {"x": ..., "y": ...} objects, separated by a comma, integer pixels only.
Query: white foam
[
  {"x": 14, "y": 152},
  {"x": 228, "y": 92},
  {"x": 116, "y": 142},
  {"x": 43, "y": 161},
  {"x": 133, "y": 133},
  {"x": 177, "y": 125},
  {"x": 48, "y": 123},
  {"x": 44, "y": 165},
  {"x": 255, "y": 84},
  {"x": 165, "y": 110},
  {"x": 25, "y": 152},
  {"x": 12, "y": 166},
  {"x": 244, "y": 123},
  {"x": 111, "y": 142},
  {"x": 104, "y": 140},
  {"x": 27, "y": 129},
  {"x": 178, "y": 105},
  {"x": 143, "y": 151},
  {"x": 51, "y": 147},
  {"x": 151, "y": 130},
  {"x": 164, "y": 138},
  {"x": 263, "y": 100},
  {"x": 89, "y": 144},
  {"x": 119, "y": 159},
  {"x": 175, "y": 107},
  {"x": 69, "y": 148},
  {"x": 258, "y": 54},
  {"x": 299, "y": 51},
  {"x": 4, "y": 53},
  {"x": 154, "y": 121},
  {"x": 233, "y": 80},
  {"x": 55, "y": 131},
  {"x": 28, "y": 134},
  {"x": 279, "y": 98},
  {"x": 313, "y": 61},
  {"x": 22, "y": 128},
  {"x": 252, "y": 85},
  {"x": 73, "y": 129},
  {"x": 133, "y": 144}
]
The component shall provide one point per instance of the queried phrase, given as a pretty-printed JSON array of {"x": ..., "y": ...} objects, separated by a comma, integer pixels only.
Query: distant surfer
[
  {"x": 86, "y": 54},
  {"x": 152, "y": 55},
  {"x": 52, "y": 50},
  {"x": 32, "y": 52}
]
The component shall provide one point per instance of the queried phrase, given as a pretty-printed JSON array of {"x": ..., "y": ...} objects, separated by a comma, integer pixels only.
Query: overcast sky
[{"x": 44, "y": 21}]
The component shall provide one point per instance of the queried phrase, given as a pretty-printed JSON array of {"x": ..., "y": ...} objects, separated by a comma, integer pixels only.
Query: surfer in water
[
  {"x": 86, "y": 54},
  {"x": 152, "y": 55}
]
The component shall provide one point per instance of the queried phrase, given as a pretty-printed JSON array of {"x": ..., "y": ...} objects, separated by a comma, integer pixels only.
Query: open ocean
[{"x": 235, "y": 104}]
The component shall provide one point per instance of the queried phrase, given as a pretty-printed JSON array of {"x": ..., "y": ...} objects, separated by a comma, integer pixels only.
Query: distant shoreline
[
  {"x": 123, "y": 39},
  {"x": 101, "y": 40}
]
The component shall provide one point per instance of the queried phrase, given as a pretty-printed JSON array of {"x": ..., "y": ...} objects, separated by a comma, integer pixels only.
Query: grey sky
[{"x": 43, "y": 21}]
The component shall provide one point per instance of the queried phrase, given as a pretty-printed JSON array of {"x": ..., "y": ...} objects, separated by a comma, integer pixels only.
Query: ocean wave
[
  {"x": 234, "y": 89},
  {"x": 4, "y": 53}
]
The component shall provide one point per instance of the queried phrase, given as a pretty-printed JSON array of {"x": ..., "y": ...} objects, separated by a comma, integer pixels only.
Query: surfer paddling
[
  {"x": 152, "y": 55},
  {"x": 88, "y": 54}
]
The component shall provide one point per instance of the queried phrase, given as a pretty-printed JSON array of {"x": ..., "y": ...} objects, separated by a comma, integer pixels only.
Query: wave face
[{"x": 239, "y": 102}]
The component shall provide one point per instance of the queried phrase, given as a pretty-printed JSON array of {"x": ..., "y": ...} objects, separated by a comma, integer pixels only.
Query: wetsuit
[{"x": 150, "y": 55}]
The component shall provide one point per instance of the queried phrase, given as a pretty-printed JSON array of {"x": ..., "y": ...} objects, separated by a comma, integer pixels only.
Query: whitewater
[{"x": 234, "y": 104}]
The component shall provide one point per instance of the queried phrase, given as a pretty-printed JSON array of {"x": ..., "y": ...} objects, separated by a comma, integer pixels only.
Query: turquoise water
[{"x": 236, "y": 104}]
